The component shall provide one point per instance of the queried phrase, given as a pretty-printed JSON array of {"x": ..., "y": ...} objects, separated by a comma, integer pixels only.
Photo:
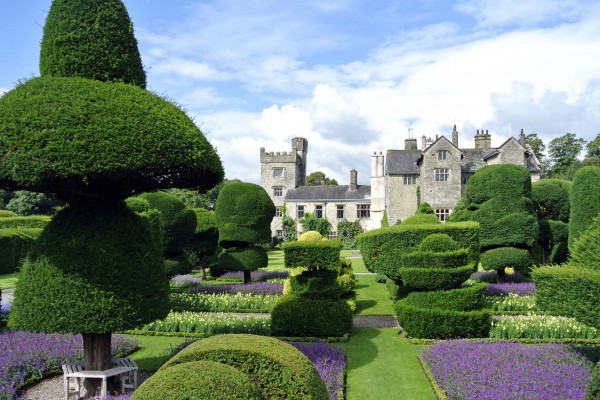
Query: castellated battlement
[{"x": 277, "y": 156}]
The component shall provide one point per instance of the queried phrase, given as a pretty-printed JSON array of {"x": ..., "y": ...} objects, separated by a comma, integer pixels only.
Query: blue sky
[{"x": 352, "y": 76}]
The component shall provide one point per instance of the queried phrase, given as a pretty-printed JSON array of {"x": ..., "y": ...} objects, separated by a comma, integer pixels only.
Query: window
[
  {"x": 277, "y": 191},
  {"x": 300, "y": 212},
  {"x": 442, "y": 155},
  {"x": 319, "y": 211},
  {"x": 280, "y": 234},
  {"x": 340, "y": 211},
  {"x": 442, "y": 213},
  {"x": 441, "y": 174},
  {"x": 278, "y": 172},
  {"x": 278, "y": 212},
  {"x": 410, "y": 179},
  {"x": 363, "y": 211},
  {"x": 332, "y": 235}
]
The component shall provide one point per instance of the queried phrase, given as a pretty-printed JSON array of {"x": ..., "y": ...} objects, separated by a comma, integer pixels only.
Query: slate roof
[
  {"x": 328, "y": 193},
  {"x": 402, "y": 162},
  {"x": 473, "y": 159}
]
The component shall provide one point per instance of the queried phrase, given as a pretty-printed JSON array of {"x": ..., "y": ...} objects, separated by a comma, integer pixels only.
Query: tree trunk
[
  {"x": 247, "y": 277},
  {"x": 97, "y": 356},
  {"x": 202, "y": 268},
  {"x": 501, "y": 276}
]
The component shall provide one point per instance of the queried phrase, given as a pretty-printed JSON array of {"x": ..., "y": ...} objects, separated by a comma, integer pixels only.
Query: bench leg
[{"x": 103, "y": 389}]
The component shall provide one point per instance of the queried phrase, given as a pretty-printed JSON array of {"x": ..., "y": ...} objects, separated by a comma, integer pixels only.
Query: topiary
[
  {"x": 178, "y": 265},
  {"x": 137, "y": 204},
  {"x": 197, "y": 380},
  {"x": 243, "y": 259},
  {"x": 178, "y": 222},
  {"x": 501, "y": 257},
  {"x": 76, "y": 34},
  {"x": 551, "y": 199},
  {"x": 7, "y": 214},
  {"x": 419, "y": 219},
  {"x": 438, "y": 242},
  {"x": 278, "y": 369},
  {"x": 586, "y": 250},
  {"x": 593, "y": 390},
  {"x": 585, "y": 204},
  {"x": 310, "y": 236}
]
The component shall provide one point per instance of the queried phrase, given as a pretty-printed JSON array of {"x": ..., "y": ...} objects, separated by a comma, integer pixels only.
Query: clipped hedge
[
  {"x": 32, "y": 221},
  {"x": 296, "y": 315},
  {"x": 278, "y": 369},
  {"x": 317, "y": 284},
  {"x": 243, "y": 259},
  {"x": 502, "y": 180},
  {"x": 419, "y": 219},
  {"x": 421, "y": 314},
  {"x": 551, "y": 199},
  {"x": 382, "y": 248},
  {"x": 586, "y": 250},
  {"x": 14, "y": 244},
  {"x": 519, "y": 228},
  {"x": 7, "y": 214},
  {"x": 178, "y": 265},
  {"x": 434, "y": 278},
  {"x": 593, "y": 389},
  {"x": 198, "y": 380},
  {"x": 312, "y": 255},
  {"x": 585, "y": 203},
  {"x": 438, "y": 242},
  {"x": 206, "y": 236},
  {"x": 569, "y": 291},
  {"x": 502, "y": 257},
  {"x": 430, "y": 259}
]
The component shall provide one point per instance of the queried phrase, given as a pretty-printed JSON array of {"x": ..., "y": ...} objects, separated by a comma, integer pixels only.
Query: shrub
[
  {"x": 206, "y": 236},
  {"x": 585, "y": 252},
  {"x": 14, "y": 244},
  {"x": 418, "y": 219},
  {"x": 501, "y": 257},
  {"x": 501, "y": 180},
  {"x": 6, "y": 214},
  {"x": 137, "y": 204},
  {"x": 551, "y": 199},
  {"x": 438, "y": 242},
  {"x": 243, "y": 259},
  {"x": 435, "y": 278},
  {"x": 278, "y": 370},
  {"x": 178, "y": 265},
  {"x": 347, "y": 232},
  {"x": 31, "y": 221},
  {"x": 198, "y": 380},
  {"x": 593, "y": 390},
  {"x": 467, "y": 299},
  {"x": 312, "y": 255},
  {"x": 585, "y": 203},
  {"x": 569, "y": 291},
  {"x": 425, "y": 208},
  {"x": 316, "y": 284},
  {"x": 429, "y": 259},
  {"x": 295, "y": 315},
  {"x": 310, "y": 236}
]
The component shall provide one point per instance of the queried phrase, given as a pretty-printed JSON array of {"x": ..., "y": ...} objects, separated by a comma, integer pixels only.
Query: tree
[
  {"x": 593, "y": 149},
  {"x": 93, "y": 141},
  {"x": 244, "y": 212},
  {"x": 206, "y": 237},
  {"x": 563, "y": 152},
  {"x": 288, "y": 224},
  {"x": 311, "y": 223},
  {"x": 31, "y": 203},
  {"x": 319, "y": 178},
  {"x": 201, "y": 199},
  {"x": 537, "y": 145}
]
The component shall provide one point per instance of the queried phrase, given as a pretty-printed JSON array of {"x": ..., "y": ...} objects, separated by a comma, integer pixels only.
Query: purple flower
[
  {"x": 507, "y": 370},
  {"x": 330, "y": 362},
  {"x": 257, "y": 276},
  {"x": 503, "y": 289},
  {"x": 185, "y": 280},
  {"x": 249, "y": 288}
]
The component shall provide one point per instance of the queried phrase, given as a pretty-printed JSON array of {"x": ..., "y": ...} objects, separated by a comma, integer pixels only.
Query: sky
[{"x": 353, "y": 76}]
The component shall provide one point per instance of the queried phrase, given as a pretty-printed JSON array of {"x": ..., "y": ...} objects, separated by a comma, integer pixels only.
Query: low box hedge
[
  {"x": 312, "y": 255},
  {"x": 31, "y": 221},
  {"x": 14, "y": 244}
]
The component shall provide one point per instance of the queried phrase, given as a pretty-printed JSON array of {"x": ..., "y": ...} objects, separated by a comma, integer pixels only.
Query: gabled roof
[
  {"x": 473, "y": 159},
  {"x": 328, "y": 193},
  {"x": 438, "y": 139},
  {"x": 402, "y": 162}
]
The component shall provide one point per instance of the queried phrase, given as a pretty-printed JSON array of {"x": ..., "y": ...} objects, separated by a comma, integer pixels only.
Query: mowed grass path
[{"x": 371, "y": 297}]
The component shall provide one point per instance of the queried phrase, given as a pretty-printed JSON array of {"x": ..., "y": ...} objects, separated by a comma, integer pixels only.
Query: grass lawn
[
  {"x": 154, "y": 350},
  {"x": 358, "y": 265},
  {"x": 8, "y": 281},
  {"x": 371, "y": 297},
  {"x": 275, "y": 260},
  {"x": 382, "y": 365}
]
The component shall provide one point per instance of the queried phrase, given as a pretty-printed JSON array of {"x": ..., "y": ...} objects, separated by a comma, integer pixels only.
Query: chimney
[
  {"x": 410, "y": 144},
  {"x": 522, "y": 138},
  {"x": 353, "y": 179},
  {"x": 483, "y": 140},
  {"x": 380, "y": 163},
  {"x": 454, "y": 136},
  {"x": 423, "y": 143},
  {"x": 374, "y": 164}
]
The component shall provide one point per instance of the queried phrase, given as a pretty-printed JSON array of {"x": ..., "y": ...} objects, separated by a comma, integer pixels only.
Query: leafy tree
[
  {"x": 31, "y": 203},
  {"x": 319, "y": 178},
  {"x": 311, "y": 223},
  {"x": 206, "y": 237},
  {"x": 288, "y": 224},
  {"x": 593, "y": 148},
  {"x": 201, "y": 199},
  {"x": 563, "y": 152},
  {"x": 93, "y": 141},
  {"x": 347, "y": 232},
  {"x": 536, "y": 144}
]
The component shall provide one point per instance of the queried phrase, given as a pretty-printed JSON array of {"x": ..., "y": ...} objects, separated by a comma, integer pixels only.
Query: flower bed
[
  {"x": 201, "y": 302},
  {"x": 27, "y": 357},
  {"x": 511, "y": 303},
  {"x": 331, "y": 364},
  {"x": 541, "y": 327},
  {"x": 257, "y": 276},
  {"x": 506, "y": 371},
  {"x": 504, "y": 289},
  {"x": 255, "y": 288}
]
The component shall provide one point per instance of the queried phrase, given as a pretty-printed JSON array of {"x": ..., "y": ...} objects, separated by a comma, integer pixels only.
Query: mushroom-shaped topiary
[{"x": 310, "y": 236}]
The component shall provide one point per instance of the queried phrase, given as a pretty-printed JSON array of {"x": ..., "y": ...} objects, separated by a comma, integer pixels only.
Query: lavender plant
[
  {"x": 503, "y": 289},
  {"x": 256, "y": 288},
  {"x": 330, "y": 363},
  {"x": 185, "y": 281},
  {"x": 257, "y": 276},
  {"x": 507, "y": 370}
]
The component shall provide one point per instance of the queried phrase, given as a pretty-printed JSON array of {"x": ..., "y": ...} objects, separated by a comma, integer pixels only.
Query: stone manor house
[{"x": 436, "y": 174}]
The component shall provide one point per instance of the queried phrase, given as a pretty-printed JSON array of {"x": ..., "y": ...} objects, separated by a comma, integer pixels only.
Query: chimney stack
[
  {"x": 423, "y": 143},
  {"x": 454, "y": 136},
  {"x": 410, "y": 144},
  {"x": 353, "y": 179},
  {"x": 380, "y": 165},
  {"x": 522, "y": 138}
]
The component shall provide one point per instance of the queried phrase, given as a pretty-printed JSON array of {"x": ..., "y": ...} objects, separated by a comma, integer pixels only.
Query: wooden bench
[{"x": 75, "y": 374}]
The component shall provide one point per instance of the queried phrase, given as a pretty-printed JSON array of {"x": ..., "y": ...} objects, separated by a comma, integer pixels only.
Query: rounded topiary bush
[
  {"x": 123, "y": 287},
  {"x": 178, "y": 265},
  {"x": 500, "y": 180},
  {"x": 297, "y": 315},
  {"x": 585, "y": 202},
  {"x": 310, "y": 236},
  {"x": 316, "y": 284},
  {"x": 278, "y": 369},
  {"x": 243, "y": 259},
  {"x": 198, "y": 380},
  {"x": 7, "y": 214},
  {"x": 83, "y": 139},
  {"x": 177, "y": 221},
  {"x": 586, "y": 250},
  {"x": 551, "y": 199},
  {"x": 418, "y": 219},
  {"x": 137, "y": 204},
  {"x": 206, "y": 236},
  {"x": 438, "y": 242},
  {"x": 501, "y": 257},
  {"x": 244, "y": 212}
]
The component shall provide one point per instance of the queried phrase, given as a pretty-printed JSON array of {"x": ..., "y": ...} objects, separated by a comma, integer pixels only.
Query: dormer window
[{"x": 442, "y": 155}]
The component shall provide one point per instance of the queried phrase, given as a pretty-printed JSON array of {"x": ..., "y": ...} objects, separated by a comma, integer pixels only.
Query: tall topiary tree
[
  {"x": 500, "y": 199},
  {"x": 206, "y": 237},
  {"x": 244, "y": 212},
  {"x": 93, "y": 140},
  {"x": 585, "y": 202}
]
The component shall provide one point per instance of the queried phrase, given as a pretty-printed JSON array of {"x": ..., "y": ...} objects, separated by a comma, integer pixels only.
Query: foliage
[
  {"x": 317, "y": 284},
  {"x": 27, "y": 357},
  {"x": 488, "y": 370},
  {"x": 205, "y": 199},
  {"x": 593, "y": 148},
  {"x": 199, "y": 380},
  {"x": 418, "y": 219},
  {"x": 541, "y": 327},
  {"x": 297, "y": 315},
  {"x": 434, "y": 278},
  {"x": 437, "y": 243},
  {"x": 551, "y": 199},
  {"x": 248, "y": 258},
  {"x": 424, "y": 208},
  {"x": 347, "y": 232},
  {"x": 585, "y": 203},
  {"x": 205, "y": 324},
  {"x": 312, "y": 255},
  {"x": 537, "y": 145},
  {"x": 278, "y": 369},
  {"x": 7, "y": 214},
  {"x": 288, "y": 224},
  {"x": 70, "y": 258},
  {"x": 310, "y": 236},
  {"x": 23, "y": 202},
  {"x": 311, "y": 223},
  {"x": 177, "y": 265},
  {"x": 586, "y": 250},
  {"x": 31, "y": 221},
  {"x": 502, "y": 257},
  {"x": 206, "y": 236},
  {"x": 319, "y": 178},
  {"x": 330, "y": 362},
  {"x": 510, "y": 302},
  {"x": 593, "y": 392},
  {"x": 563, "y": 152},
  {"x": 75, "y": 38},
  {"x": 384, "y": 219},
  {"x": 240, "y": 303},
  {"x": 14, "y": 244},
  {"x": 38, "y": 116},
  {"x": 569, "y": 291},
  {"x": 244, "y": 212}
]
